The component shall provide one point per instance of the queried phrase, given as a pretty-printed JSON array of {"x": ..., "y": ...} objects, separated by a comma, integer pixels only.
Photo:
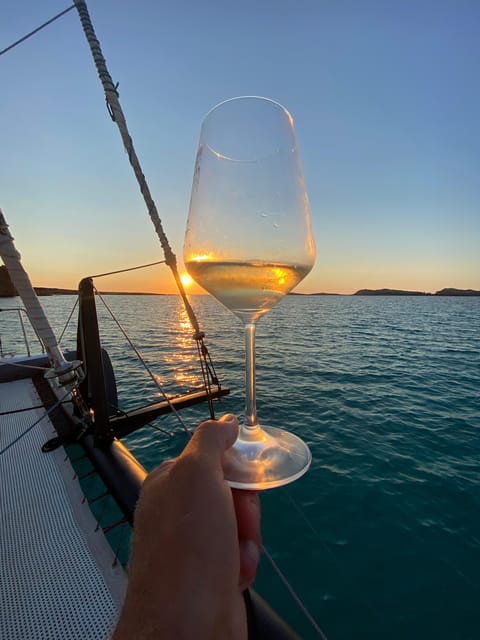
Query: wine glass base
[{"x": 265, "y": 458}]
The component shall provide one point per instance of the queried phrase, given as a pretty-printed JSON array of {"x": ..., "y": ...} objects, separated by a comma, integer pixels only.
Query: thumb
[{"x": 213, "y": 437}]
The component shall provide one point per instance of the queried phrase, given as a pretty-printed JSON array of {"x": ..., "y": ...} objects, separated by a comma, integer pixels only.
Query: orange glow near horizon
[{"x": 344, "y": 278}]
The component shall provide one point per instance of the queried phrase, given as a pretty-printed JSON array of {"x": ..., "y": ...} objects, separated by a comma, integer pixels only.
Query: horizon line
[{"x": 48, "y": 291}]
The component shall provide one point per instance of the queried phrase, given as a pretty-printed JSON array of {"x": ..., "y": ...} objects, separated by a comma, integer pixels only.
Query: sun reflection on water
[{"x": 183, "y": 359}]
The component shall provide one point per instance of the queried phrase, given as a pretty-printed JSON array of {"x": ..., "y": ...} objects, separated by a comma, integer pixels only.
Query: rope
[
  {"x": 117, "y": 115},
  {"x": 4, "y": 361},
  {"x": 46, "y": 414},
  {"x": 42, "y": 26},
  {"x": 294, "y": 596},
  {"x": 21, "y": 281},
  {"x": 7, "y": 413},
  {"x": 113, "y": 103}
]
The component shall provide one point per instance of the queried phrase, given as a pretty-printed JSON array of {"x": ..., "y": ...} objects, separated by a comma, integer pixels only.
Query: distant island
[
  {"x": 7, "y": 289},
  {"x": 449, "y": 291},
  {"x": 399, "y": 292},
  {"x": 321, "y": 293}
]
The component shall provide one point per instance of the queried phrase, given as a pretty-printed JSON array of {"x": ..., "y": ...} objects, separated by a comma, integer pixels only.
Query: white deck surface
[{"x": 56, "y": 574}]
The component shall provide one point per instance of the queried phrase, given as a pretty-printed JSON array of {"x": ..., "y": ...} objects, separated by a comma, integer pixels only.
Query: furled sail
[{"x": 12, "y": 260}]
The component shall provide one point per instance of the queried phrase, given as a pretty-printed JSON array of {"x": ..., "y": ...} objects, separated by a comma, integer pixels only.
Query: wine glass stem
[{"x": 250, "y": 388}]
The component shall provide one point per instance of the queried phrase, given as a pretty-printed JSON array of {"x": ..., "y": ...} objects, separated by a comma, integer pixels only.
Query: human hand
[{"x": 196, "y": 546}]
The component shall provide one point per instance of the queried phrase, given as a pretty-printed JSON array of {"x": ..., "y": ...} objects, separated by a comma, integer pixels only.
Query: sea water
[{"x": 381, "y": 538}]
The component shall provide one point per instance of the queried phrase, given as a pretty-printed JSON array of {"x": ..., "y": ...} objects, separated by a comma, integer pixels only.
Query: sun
[{"x": 186, "y": 280}]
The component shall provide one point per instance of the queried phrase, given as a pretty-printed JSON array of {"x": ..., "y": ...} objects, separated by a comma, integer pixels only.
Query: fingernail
[
  {"x": 228, "y": 417},
  {"x": 252, "y": 551}
]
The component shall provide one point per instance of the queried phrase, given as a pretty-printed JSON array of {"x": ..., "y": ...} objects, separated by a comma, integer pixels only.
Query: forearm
[
  {"x": 175, "y": 593},
  {"x": 197, "y": 615}
]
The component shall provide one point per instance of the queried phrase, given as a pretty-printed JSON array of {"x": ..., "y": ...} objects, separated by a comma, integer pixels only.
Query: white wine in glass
[{"x": 249, "y": 242}]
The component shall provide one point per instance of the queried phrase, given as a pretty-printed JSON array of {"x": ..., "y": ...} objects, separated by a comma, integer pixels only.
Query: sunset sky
[{"x": 385, "y": 98}]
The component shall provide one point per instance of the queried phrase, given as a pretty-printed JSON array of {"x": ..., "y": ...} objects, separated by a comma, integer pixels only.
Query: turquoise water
[{"x": 381, "y": 539}]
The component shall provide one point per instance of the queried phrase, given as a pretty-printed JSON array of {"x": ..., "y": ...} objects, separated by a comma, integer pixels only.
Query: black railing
[{"x": 99, "y": 390}]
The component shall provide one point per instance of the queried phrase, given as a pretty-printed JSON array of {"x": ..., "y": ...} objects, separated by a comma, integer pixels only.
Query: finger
[
  {"x": 213, "y": 437},
  {"x": 249, "y": 559},
  {"x": 247, "y": 511}
]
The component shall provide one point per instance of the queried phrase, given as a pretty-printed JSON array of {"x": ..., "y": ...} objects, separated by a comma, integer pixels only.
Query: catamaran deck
[{"x": 57, "y": 579}]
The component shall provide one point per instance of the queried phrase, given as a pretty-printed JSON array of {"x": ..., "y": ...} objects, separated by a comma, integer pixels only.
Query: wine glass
[{"x": 249, "y": 242}]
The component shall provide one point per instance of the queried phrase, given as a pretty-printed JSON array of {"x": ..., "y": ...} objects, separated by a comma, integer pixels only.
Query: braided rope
[
  {"x": 21, "y": 280},
  {"x": 113, "y": 104},
  {"x": 116, "y": 113}
]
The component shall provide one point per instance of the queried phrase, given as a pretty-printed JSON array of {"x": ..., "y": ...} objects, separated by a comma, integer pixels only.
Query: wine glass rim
[{"x": 248, "y": 97}]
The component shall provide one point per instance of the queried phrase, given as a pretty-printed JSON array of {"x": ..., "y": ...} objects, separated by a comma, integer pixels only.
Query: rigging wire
[
  {"x": 68, "y": 320},
  {"x": 293, "y": 595},
  {"x": 209, "y": 375},
  {"x": 148, "y": 424},
  {"x": 32, "y": 33},
  {"x": 147, "y": 368},
  {"x": 329, "y": 551},
  {"x": 140, "y": 266},
  {"x": 164, "y": 431}
]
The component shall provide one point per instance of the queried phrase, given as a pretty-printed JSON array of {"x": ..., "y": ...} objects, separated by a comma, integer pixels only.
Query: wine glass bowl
[{"x": 249, "y": 242}]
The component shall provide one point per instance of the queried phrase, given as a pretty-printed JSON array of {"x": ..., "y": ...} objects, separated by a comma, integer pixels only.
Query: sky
[{"x": 385, "y": 98}]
